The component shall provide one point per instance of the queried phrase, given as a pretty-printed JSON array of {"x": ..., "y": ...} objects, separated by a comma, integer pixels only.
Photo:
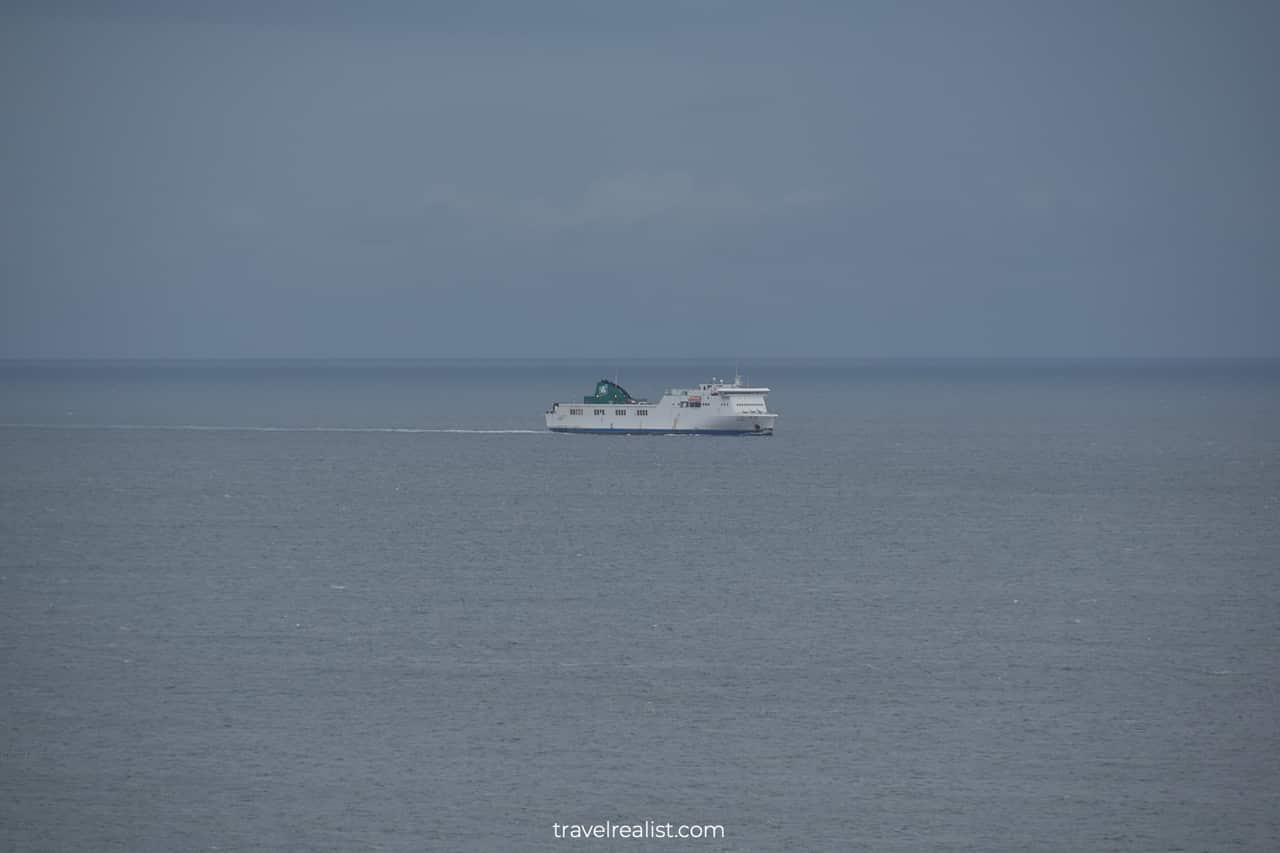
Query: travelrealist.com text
[{"x": 648, "y": 829}]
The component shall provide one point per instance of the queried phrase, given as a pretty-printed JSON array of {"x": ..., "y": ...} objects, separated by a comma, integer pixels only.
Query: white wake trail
[{"x": 220, "y": 428}]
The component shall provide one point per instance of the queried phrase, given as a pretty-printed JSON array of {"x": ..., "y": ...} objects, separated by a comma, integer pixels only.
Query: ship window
[
  {"x": 642, "y": 411},
  {"x": 619, "y": 411},
  {"x": 597, "y": 411},
  {"x": 575, "y": 411}
]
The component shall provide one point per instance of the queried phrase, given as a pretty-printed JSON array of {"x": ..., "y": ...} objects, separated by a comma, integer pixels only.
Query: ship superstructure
[{"x": 717, "y": 407}]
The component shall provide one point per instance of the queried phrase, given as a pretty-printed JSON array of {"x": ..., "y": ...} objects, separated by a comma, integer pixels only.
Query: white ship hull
[{"x": 710, "y": 409}]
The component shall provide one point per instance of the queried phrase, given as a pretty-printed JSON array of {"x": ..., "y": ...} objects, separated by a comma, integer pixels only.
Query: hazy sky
[{"x": 639, "y": 178}]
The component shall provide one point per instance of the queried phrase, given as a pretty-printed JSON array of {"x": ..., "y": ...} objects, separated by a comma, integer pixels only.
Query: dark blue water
[{"x": 949, "y": 606}]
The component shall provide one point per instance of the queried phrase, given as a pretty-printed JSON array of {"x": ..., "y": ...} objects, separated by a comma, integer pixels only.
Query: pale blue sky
[{"x": 639, "y": 179}]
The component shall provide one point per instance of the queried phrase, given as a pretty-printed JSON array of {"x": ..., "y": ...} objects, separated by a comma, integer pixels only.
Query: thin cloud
[{"x": 675, "y": 197}]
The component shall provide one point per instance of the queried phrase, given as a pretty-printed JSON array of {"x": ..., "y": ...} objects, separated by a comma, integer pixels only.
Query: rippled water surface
[{"x": 374, "y": 606}]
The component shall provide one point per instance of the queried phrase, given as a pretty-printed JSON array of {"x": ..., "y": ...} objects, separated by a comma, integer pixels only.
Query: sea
[{"x": 375, "y": 606}]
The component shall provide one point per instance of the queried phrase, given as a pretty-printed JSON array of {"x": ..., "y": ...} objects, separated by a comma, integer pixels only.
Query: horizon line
[{"x": 635, "y": 358}]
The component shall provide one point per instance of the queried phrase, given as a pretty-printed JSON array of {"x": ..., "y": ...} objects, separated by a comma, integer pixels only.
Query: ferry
[{"x": 713, "y": 408}]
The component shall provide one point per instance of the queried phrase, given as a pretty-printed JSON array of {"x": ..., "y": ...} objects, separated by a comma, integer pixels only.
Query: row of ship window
[{"x": 615, "y": 411}]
